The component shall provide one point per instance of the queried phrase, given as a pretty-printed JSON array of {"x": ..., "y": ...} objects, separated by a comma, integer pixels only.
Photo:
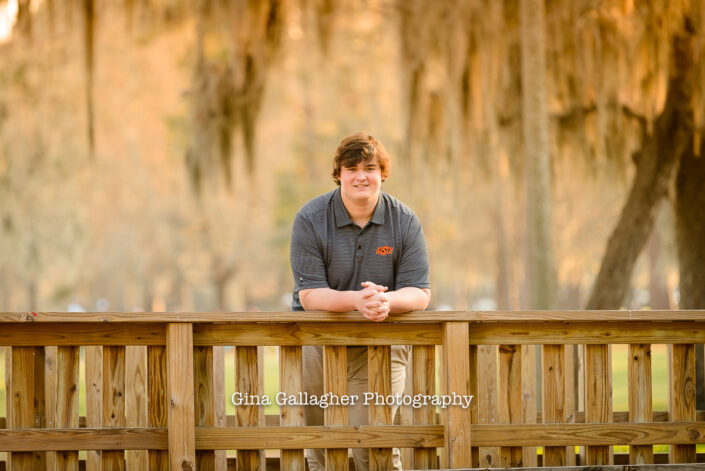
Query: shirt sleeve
[
  {"x": 413, "y": 268},
  {"x": 306, "y": 257}
]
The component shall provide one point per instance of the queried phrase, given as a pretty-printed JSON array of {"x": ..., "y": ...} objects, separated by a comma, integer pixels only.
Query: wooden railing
[{"x": 155, "y": 395}]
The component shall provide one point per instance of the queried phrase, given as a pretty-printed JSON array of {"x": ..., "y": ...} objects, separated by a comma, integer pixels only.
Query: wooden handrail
[
  {"x": 318, "y": 316},
  {"x": 172, "y": 359}
]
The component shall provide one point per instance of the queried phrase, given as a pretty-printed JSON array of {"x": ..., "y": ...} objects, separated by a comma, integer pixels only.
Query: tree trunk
[
  {"x": 655, "y": 165},
  {"x": 539, "y": 270},
  {"x": 690, "y": 237},
  {"x": 690, "y": 229},
  {"x": 658, "y": 289}
]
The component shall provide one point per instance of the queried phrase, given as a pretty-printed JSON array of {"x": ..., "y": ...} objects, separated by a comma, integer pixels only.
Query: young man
[{"x": 357, "y": 249}]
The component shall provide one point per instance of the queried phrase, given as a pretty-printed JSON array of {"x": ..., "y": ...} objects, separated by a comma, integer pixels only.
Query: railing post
[
  {"x": 456, "y": 379},
  {"x": 182, "y": 433}
]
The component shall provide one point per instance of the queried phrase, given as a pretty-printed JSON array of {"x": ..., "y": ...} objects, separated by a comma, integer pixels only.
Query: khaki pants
[{"x": 357, "y": 385}]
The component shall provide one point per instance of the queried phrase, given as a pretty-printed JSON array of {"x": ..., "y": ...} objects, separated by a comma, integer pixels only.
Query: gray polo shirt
[{"x": 328, "y": 250}]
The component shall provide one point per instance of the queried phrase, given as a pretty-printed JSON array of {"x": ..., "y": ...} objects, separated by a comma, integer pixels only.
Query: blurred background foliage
[{"x": 153, "y": 153}]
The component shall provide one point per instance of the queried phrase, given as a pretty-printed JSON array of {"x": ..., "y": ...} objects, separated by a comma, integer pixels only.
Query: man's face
[{"x": 362, "y": 182}]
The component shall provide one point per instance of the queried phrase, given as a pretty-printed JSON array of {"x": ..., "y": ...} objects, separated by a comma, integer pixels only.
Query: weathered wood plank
[
  {"x": 247, "y": 382},
  {"x": 307, "y": 333},
  {"x": 219, "y": 417},
  {"x": 319, "y": 316},
  {"x": 406, "y": 414},
  {"x": 50, "y": 397},
  {"x": 136, "y": 401},
  {"x": 561, "y": 435},
  {"x": 487, "y": 398},
  {"x": 74, "y": 439},
  {"x": 157, "y": 411},
  {"x": 456, "y": 365},
  {"x": 113, "y": 401},
  {"x": 350, "y": 436},
  {"x": 586, "y": 332},
  {"x": 598, "y": 398},
  {"x": 65, "y": 407},
  {"x": 424, "y": 379},
  {"x": 509, "y": 399},
  {"x": 570, "y": 404},
  {"x": 379, "y": 367},
  {"x": 204, "y": 406},
  {"x": 291, "y": 438},
  {"x": 529, "y": 397},
  {"x": 21, "y": 389},
  {"x": 553, "y": 398},
  {"x": 291, "y": 382},
  {"x": 179, "y": 352},
  {"x": 640, "y": 404},
  {"x": 474, "y": 412},
  {"x": 94, "y": 399},
  {"x": 335, "y": 362},
  {"x": 682, "y": 396},
  {"x": 74, "y": 334}
]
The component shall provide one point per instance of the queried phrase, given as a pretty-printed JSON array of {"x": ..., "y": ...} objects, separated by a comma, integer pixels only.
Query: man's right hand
[{"x": 373, "y": 302}]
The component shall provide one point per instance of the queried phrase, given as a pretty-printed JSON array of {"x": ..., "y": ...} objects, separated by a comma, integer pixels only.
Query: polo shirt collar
[{"x": 342, "y": 218}]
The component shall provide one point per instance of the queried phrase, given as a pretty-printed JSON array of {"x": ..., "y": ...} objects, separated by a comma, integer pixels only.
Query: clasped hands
[{"x": 373, "y": 302}]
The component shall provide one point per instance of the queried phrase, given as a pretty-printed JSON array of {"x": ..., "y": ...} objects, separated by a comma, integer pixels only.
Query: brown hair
[{"x": 360, "y": 147}]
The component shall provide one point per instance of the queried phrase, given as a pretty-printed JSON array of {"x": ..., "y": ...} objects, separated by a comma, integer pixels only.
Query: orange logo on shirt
[{"x": 384, "y": 250}]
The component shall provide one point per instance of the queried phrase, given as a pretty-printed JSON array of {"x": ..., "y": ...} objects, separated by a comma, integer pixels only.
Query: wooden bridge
[{"x": 155, "y": 393}]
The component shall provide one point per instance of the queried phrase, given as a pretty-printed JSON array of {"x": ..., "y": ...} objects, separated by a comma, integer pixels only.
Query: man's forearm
[
  {"x": 326, "y": 299},
  {"x": 408, "y": 299}
]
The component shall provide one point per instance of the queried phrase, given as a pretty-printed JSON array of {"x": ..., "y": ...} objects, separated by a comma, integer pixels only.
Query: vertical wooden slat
[
  {"x": 406, "y": 414},
  {"x": 487, "y": 399},
  {"x": 157, "y": 412},
  {"x": 51, "y": 396},
  {"x": 203, "y": 408},
  {"x": 598, "y": 398},
  {"x": 291, "y": 382},
  {"x": 247, "y": 382},
  {"x": 39, "y": 402},
  {"x": 682, "y": 396},
  {"x": 640, "y": 404},
  {"x": 570, "y": 399},
  {"x": 94, "y": 400},
  {"x": 474, "y": 412},
  {"x": 379, "y": 367},
  {"x": 182, "y": 433},
  {"x": 553, "y": 398},
  {"x": 65, "y": 407},
  {"x": 509, "y": 399},
  {"x": 529, "y": 398},
  {"x": 424, "y": 379},
  {"x": 219, "y": 418},
  {"x": 456, "y": 377},
  {"x": 136, "y": 401},
  {"x": 113, "y": 401},
  {"x": 20, "y": 414},
  {"x": 335, "y": 382}
]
